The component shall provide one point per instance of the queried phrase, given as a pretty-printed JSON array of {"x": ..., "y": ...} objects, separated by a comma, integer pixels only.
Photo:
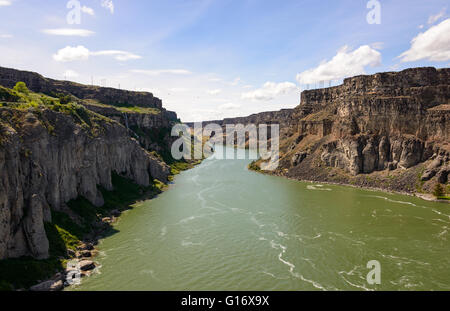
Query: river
[{"x": 222, "y": 227}]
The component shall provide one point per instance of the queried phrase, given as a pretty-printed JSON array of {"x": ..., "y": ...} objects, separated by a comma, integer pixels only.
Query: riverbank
[
  {"x": 74, "y": 234},
  {"x": 354, "y": 184},
  {"x": 223, "y": 227}
]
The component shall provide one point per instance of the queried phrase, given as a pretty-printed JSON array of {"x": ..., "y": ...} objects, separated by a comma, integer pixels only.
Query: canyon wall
[
  {"x": 386, "y": 122},
  {"x": 110, "y": 96},
  {"x": 47, "y": 159},
  {"x": 52, "y": 155},
  {"x": 283, "y": 117}
]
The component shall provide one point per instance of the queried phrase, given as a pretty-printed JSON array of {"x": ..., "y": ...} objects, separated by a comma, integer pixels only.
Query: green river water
[{"x": 222, "y": 227}]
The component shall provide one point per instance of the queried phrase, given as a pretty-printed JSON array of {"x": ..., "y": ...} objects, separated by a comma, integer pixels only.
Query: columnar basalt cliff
[
  {"x": 388, "y": 130},
  {"x": 51, "y": 153},
  {"x": 41, "y": 170}
]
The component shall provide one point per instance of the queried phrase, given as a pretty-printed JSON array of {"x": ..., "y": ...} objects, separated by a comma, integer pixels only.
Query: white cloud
[
  {"x": 214, "y": 92},
  {"x": 270, "y": 90},
  {"x": 108, "y": 4},
  {"x": 432, "y": 45},
  {"x": 5, "y": 2},
  {"x": 70, "y": 74},
  {"x": 434, "y": 18},
  {"x": 229, "y": 106},
  {"x": 6, "y": 36},
  {"x": 87, "y": 10},
  {"x": 162, "y": 71},
  {"x": 69, "y": 54},
  {"x": 119, "y": 55},
  {"x": 344, "y": 64},
  {"x": 68, "y": 32},
  {"x": 421, "y": 26}
]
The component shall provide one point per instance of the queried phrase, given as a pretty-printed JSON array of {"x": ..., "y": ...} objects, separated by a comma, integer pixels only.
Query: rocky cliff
[
  {"x": 109, "y": 96},
  {"x": 283, "y": 117},
  {"x": 48, "y": 159},
  {"x": 52, "y": 153},
  {"x": 389, "y": 130}
]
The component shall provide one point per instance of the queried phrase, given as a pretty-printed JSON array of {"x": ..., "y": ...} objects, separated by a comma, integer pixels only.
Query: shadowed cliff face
[
  {"x": 378, "y": 122},
  {"x": 48, "y": 158}
]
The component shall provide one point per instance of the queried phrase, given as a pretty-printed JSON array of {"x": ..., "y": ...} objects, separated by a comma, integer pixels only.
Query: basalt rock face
[
  {"x": 158, "y": 119},
  {"x": 283, "y": 117},
  {"x": 37, "y": 83},
  {"x": 48, "y": 159},
  {"x": 383, "y": 122},
  {"x": 152, "y": 130},
  {"x": 393, "y": 123}
]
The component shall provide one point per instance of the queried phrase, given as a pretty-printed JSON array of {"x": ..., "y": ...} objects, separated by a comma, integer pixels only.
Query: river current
[{"x": 223, "y": 227}]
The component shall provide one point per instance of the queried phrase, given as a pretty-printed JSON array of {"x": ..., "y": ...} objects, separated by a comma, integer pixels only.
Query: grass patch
[
  {"x": 37, "y": 103},
  {"x": 178, "y": 167},
  {"x": 254, "y": 166},
  {"x": 60, "y": 240},
  {"x": 135, "y": 109},
  {"x": 26, "y": 272}
]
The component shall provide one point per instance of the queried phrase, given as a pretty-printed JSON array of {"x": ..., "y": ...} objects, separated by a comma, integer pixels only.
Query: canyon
[
  {"x": 63, "y": 142},
  {"x": 389, "y": 130}
]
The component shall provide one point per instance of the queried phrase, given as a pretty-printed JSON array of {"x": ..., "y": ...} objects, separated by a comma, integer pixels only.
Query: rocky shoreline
[
  {"x": 425, "y": 197},
  {"x": 82, "y": 260}
]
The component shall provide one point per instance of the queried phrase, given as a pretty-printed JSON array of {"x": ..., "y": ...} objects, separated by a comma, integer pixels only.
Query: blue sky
[{"x": 210, "y": 59}]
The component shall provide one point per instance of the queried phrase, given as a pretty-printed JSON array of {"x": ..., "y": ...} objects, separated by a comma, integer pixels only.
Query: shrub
[
  {"x": 65, "y": 99},
  {"x": 254, "y": 166},
  {"x": 438, "y": 191},
  {"x": 8, "y": 95},
  {"x": 21, "y": 87}
]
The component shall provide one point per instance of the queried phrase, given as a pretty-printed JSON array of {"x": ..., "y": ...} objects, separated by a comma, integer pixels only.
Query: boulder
[
  {"x": 107, "y": 220},
  {"x": 86, "y": 247},
  {"x": 87, "y": 265},
  {"x": 436, "y": 163},
  {"x": 48, "y": 286},
  {"x": 116, "y": 213},
  {"x": 86, "y": 254},
  {"x": 428, "y": 174}
]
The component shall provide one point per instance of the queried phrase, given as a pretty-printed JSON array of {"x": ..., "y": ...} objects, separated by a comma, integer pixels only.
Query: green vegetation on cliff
[{"x": 38, "y": 103}]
